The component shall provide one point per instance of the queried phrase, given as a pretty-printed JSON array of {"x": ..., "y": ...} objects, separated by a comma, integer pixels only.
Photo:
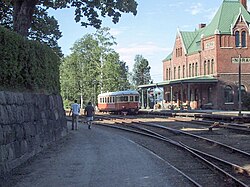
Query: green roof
[{"x": 222, "y": 23}]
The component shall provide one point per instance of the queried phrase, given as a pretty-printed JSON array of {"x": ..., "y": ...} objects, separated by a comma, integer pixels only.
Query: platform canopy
[{"x": 197, "y": 80}]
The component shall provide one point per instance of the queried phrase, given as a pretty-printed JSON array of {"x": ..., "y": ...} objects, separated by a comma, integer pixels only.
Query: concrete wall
[{"x": 28, "y": 124}]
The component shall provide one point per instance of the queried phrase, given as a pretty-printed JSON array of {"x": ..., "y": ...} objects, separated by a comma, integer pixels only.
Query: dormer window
[
  {"x": 243, "y": 39},
  {"x": 237, "y": 39},
  {"x": 240, "y": 39}
]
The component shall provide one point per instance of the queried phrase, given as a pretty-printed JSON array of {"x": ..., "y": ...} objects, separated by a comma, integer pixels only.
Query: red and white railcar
[{"x": 118, "y": 102}]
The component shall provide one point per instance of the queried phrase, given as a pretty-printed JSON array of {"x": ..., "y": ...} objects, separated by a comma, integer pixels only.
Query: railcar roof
[{"x": 126, "y": 92}]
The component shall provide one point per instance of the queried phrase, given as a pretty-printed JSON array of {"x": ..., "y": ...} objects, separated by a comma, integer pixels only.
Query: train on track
[{"x": 119, "y": 102}]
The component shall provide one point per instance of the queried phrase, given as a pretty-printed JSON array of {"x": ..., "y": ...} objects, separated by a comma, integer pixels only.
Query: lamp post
[
  {"x": 94, "y": 100},
  {"x": 239, "y": 89}
]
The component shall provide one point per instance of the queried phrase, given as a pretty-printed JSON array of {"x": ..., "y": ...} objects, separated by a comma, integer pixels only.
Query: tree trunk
[{"x": 22, "y": 16}]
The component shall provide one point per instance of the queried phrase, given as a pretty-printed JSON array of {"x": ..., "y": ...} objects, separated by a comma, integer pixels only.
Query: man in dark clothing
[{"x": 89, "y": 112}]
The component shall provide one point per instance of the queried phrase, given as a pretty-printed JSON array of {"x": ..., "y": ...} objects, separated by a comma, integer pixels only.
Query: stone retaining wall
[{"x": 28, "y": 123}]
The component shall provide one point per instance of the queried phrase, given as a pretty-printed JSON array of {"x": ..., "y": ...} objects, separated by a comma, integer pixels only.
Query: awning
[{"x": 201, "y": 80}]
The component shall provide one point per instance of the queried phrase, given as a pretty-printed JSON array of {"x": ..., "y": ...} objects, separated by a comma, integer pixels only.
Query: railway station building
[{"x": 209, "y": 68}]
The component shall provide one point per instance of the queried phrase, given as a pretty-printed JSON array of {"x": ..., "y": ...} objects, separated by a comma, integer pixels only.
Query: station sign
[{"x": 243, "y": 60}]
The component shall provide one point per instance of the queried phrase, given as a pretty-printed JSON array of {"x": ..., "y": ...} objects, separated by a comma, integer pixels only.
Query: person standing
[
  {"x": 75, "y": 109},
  {"x": 89, "y": 112}
]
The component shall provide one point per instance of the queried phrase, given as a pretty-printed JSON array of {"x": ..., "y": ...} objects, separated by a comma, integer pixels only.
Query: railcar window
[
  {"x": 125, "y": 98},
  {"x": 131, "y": 98},
  {"x": 105, "y": 100},
  {"x": 113, "y": 99},
  {"x": 108, "y": 99},
  {"x": 136, "y": 98},
  {"x": 122, "y": 98}
]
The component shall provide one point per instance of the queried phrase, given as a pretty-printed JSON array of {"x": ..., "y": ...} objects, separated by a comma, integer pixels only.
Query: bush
[{"x": 27, "y": 65}]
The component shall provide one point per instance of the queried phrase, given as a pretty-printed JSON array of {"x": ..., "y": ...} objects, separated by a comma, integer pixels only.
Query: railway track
[{"x": 232, "y": 171}]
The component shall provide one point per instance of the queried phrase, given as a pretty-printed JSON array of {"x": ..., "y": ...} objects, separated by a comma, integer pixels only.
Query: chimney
[
  {"x": 244, "y": 3},
  {"x": 202, "y": 25}
]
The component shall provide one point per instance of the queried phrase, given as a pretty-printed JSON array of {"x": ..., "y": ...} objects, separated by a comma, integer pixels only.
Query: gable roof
[{"x": 222, "y": 23}]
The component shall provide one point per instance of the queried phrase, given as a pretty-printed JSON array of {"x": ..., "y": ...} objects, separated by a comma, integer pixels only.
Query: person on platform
[
  {"x": 75, "y": 110},
  {"x": 89, "y": 112}
]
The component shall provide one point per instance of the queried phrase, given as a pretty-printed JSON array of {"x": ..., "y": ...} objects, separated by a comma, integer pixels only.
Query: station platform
[{"x": 96, "y": 158}]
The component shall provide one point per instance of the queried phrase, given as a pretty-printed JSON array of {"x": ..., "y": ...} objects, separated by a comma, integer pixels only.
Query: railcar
[{"x": 119, "y": 102}]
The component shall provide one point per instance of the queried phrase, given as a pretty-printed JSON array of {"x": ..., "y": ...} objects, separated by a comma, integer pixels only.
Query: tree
[
  {"x": 43, "y": 27},
  {"x": 85, "y": 11},
  {"x": 115, "y": 74},
  {"x": 93, "y": 66},
  {"x": 141, "y": 71}
]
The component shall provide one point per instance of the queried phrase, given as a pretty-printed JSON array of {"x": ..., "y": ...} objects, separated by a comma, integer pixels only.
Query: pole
[
  {"x": 239, "y": 86},
  {"x": 171, "y": 97},
  {"x": 142, "y": 99},
  {"x": 147, "y": 100}
]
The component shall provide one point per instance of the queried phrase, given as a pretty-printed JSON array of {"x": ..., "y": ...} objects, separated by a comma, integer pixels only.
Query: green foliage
[
  {"x": 93, "y": 67},
  {"x": 27, "y": 65},
  {"x": 141, "y": 71}
]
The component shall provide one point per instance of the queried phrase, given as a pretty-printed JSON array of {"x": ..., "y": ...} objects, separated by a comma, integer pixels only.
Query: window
[
  {"x": 208, "y": 67},
  {"x": 196, "y": 69},
  {"x": 174, "y": 72},
  {"x": 136, "y": 98},
  {"x": 183, "y": 71},
  {"x": 212, "y": 66},
  {"x": 190, "y": 69},
  {"x": 243, "y": 39},
  {"x": 205, "y": 68},
  {"x": 179, "y": 72},
  {"x": 169, "y": 74},
  {"x": 131, "y": 98},
  {"x": 228, "y": 94},
  {"x": 237, "y": 39},
  {"x": 243, "y": 91},
  {"x": 193, "y": 70}
]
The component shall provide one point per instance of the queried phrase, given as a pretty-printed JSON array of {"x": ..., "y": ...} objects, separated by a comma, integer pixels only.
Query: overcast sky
[{"x": 151, "y": 33}]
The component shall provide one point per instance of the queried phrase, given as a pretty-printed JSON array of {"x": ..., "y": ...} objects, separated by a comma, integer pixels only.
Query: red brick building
[{"x": 203, "y": 69}]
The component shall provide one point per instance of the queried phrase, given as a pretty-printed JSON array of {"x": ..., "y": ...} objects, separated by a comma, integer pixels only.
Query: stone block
[
  {"x": 4, "y": 119},
  {"x": 2, "y": 98},
  {"x": 8, "y": 134},
  {"x": 1, "y": 136},
  {"x": 24, "y": 147},
  {"x": 17, "y": 148},
  {"x": 19, "y": 132},
  {"x": 3, "y": 153}
]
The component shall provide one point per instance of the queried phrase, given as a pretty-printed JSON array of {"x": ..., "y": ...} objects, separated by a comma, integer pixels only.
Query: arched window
[
  {"x": 193, "y": 70},
  {"x": 174, "y": 72},
  {"x": 212, "y": 66},
  {"x": 167, "y": 78},
  {"x": 243, "y": 39},
  {"x": 190, "y": 67},
  {"x": 205, "y": 67},
  {"x": 183, "y": 71},
  {"x": 228, "y": 94},
  {"x": 237, "y": 39},
  {"x": 196, "y": 69},
  {"x": 208, "y": 67},
  {"x": 179, "y": 72},
  {"x": 243, "y": 91}
]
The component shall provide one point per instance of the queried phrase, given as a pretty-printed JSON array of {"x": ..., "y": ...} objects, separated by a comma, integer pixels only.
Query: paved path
[{"x": 96, "y": 158}]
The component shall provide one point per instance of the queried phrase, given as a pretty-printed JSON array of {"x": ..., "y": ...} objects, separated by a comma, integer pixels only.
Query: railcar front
[
  {"x": 119, "y": 102},
  {"x": 127, "y": 101}
]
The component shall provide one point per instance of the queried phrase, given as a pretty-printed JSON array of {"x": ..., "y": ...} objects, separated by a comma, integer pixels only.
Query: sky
[{"x": 151, "y": 33}]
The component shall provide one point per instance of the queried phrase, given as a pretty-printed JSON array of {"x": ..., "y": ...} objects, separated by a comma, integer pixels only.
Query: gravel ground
[{"x": 96, "y": 157}]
